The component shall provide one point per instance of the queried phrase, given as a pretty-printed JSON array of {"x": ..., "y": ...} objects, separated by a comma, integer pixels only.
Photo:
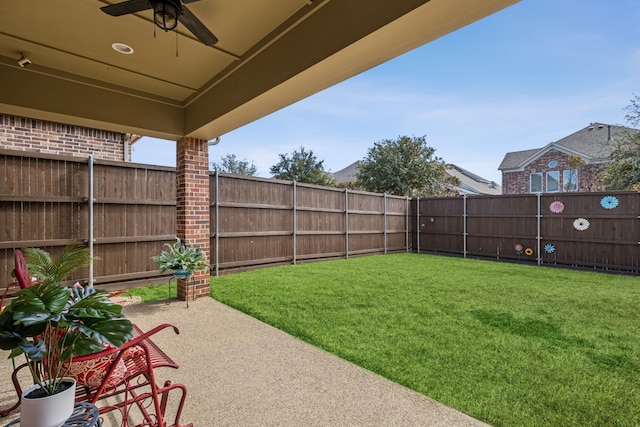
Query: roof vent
[{"x": 600, "y": 126}]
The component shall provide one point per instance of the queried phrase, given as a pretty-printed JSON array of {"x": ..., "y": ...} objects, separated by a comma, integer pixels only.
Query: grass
[
  {"x": 154, "y": 292},
  {"x": 512, "y": 345}
]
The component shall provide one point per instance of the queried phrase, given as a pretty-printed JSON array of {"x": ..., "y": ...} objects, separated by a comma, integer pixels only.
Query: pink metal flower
[{"x": 556, "y": 207}]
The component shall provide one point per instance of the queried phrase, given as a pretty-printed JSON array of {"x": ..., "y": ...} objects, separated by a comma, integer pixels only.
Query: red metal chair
[
  {"x": 126, "y": 391},
  {"x": 21, "y": 273},
  {"x": 120, "y": 381}
]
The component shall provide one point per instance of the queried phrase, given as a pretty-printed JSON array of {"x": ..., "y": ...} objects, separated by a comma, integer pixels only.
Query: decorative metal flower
[
  {"x": 528, "y": 252},
  {"x": 609, "y": 202},
  {"x": 519, "y": 248},
  {"x": 556, "y": 206},
  {"x": 549, "y": 248},
  {"x": 581, "y": 224}
]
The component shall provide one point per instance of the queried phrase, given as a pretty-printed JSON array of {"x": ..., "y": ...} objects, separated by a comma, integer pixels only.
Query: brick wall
[
  {"x": 519, "y": 182},
  {"x": 21, "y": 133}
]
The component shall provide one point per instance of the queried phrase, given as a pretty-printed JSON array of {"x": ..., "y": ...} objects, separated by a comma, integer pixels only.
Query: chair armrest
[{"x": 138, "y": 337}]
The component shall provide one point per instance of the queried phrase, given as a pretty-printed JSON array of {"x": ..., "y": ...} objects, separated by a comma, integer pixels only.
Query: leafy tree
[
  {"x": 405, "y": 167},
  {"x": 302, "y": 166},
  {"x": 230, "y": 164},
  {"x": 591, "y": 178},
  {"x": 623, "y": 172}
]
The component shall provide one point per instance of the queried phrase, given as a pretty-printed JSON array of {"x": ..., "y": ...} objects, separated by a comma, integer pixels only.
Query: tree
[
  {"x": 302, "y": 166},
  {"x": 623, "y": 172},
  {"x": 405, "y": 167},
  {"x": 230, "y": 164}
]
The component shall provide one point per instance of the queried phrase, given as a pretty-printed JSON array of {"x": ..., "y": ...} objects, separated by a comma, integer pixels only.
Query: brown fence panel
[
  {"x": 397, "y": 224},
  {"x": 42, "y": 199},
  {"x": 320, "y": 222},
  {"x": 134, "y": 216},
  {"x": 254, "y": 218},
  {"x": 441, "y": 226},
  {"x": 495, "y": 225},
  {"x": 365, "y": 223},
  {"x": 601, "y": 230},
  {"x": 586, "y": 230}
]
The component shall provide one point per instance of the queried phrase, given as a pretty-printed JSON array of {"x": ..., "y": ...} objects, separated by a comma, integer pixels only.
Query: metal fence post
[
  {"x": 346, "y": 222},
  {"x": 406, "y": 225},
  {"x": 295, "y": 222},
  {"x": 384, "y": 216},
  {"x": 464, "y": 226},
  {"x": 217, "y": 223},
  {"x": 538, "y": 237},
  {"x": 418, "y": 224},
  {"x": 91, "y": 222}
]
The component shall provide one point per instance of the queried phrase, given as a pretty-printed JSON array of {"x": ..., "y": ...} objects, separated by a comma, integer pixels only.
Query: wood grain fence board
[{"x": 317, "y": 245}]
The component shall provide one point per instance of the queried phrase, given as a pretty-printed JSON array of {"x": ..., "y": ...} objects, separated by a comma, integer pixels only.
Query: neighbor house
[
  {"x": 470, "y": 183},
  {"x": 569, "y": 164}
]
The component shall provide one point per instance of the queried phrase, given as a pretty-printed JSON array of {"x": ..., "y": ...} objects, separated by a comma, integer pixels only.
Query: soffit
[{"x": 269, "y": 55}]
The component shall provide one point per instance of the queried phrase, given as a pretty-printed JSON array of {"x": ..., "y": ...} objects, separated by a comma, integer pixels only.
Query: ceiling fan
[{"x": 166, "y": 14}]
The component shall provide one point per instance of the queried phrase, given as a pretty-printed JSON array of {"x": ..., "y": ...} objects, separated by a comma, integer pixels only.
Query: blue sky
[{"x": 519, "y": 79}]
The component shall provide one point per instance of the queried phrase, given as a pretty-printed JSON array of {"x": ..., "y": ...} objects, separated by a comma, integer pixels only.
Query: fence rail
[{"x": 129, "y": 212}]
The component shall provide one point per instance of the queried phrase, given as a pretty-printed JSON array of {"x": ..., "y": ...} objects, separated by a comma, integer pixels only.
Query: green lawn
[{"x": 512, "y": 345}]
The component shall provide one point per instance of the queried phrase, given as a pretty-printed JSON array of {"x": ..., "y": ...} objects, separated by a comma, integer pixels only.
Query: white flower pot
[{"x": 48, "y": 411}]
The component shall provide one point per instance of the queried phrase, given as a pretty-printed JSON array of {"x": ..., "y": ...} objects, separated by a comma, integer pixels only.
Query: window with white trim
[
  {"x": 570, "y": 180},
  {"x": 553, "y": 181},
  {"x": 535, "y": 185}
]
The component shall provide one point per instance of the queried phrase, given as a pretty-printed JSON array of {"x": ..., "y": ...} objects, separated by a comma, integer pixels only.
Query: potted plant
[
  {"x": 183, "y": 259},
  {"x": 50, "y": 323}
]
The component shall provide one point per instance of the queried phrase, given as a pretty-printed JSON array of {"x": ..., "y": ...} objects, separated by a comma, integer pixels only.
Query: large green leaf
[
  {"x": 37, "y": 303},
  {"x": 113, "y": 331}
]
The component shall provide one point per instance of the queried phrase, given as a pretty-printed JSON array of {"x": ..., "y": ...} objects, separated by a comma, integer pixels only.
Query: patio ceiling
[{"x": 270, "y": 54}]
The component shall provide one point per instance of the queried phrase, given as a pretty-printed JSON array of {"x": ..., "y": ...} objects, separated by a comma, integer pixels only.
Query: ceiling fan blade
[
  {"x": 198, "y": 29},
  {"x": 126, "y": 7},
  {"x": 189, "y": 1}
]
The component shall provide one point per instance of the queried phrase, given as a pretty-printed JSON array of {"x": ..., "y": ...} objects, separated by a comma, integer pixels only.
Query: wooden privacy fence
[
  {"x": 45, "y": 201},
  {"x": 588, "y": 230},
  {"x": 257, "y": 221}
]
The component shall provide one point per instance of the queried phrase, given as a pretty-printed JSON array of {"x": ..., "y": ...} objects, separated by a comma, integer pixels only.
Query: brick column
[{"x": 192, "y": 188}]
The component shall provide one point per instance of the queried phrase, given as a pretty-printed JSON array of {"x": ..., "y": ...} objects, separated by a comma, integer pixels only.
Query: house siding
[
  {"x": 518, "y": 182},
  {"x": 26, "y": 134}
]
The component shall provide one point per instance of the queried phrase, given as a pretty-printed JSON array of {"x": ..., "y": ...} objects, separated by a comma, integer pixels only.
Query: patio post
[{"x": 193, "y": 210}]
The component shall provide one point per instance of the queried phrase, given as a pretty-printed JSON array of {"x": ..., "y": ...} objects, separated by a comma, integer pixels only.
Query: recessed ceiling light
[{"x": 122, "y": 48}]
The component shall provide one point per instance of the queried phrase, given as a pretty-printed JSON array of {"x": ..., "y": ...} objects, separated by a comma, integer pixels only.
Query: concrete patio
[{"x": 242, "y": 372}]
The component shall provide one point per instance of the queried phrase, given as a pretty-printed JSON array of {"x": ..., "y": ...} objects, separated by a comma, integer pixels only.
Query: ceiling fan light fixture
[{"x": 165, "y": 14}]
